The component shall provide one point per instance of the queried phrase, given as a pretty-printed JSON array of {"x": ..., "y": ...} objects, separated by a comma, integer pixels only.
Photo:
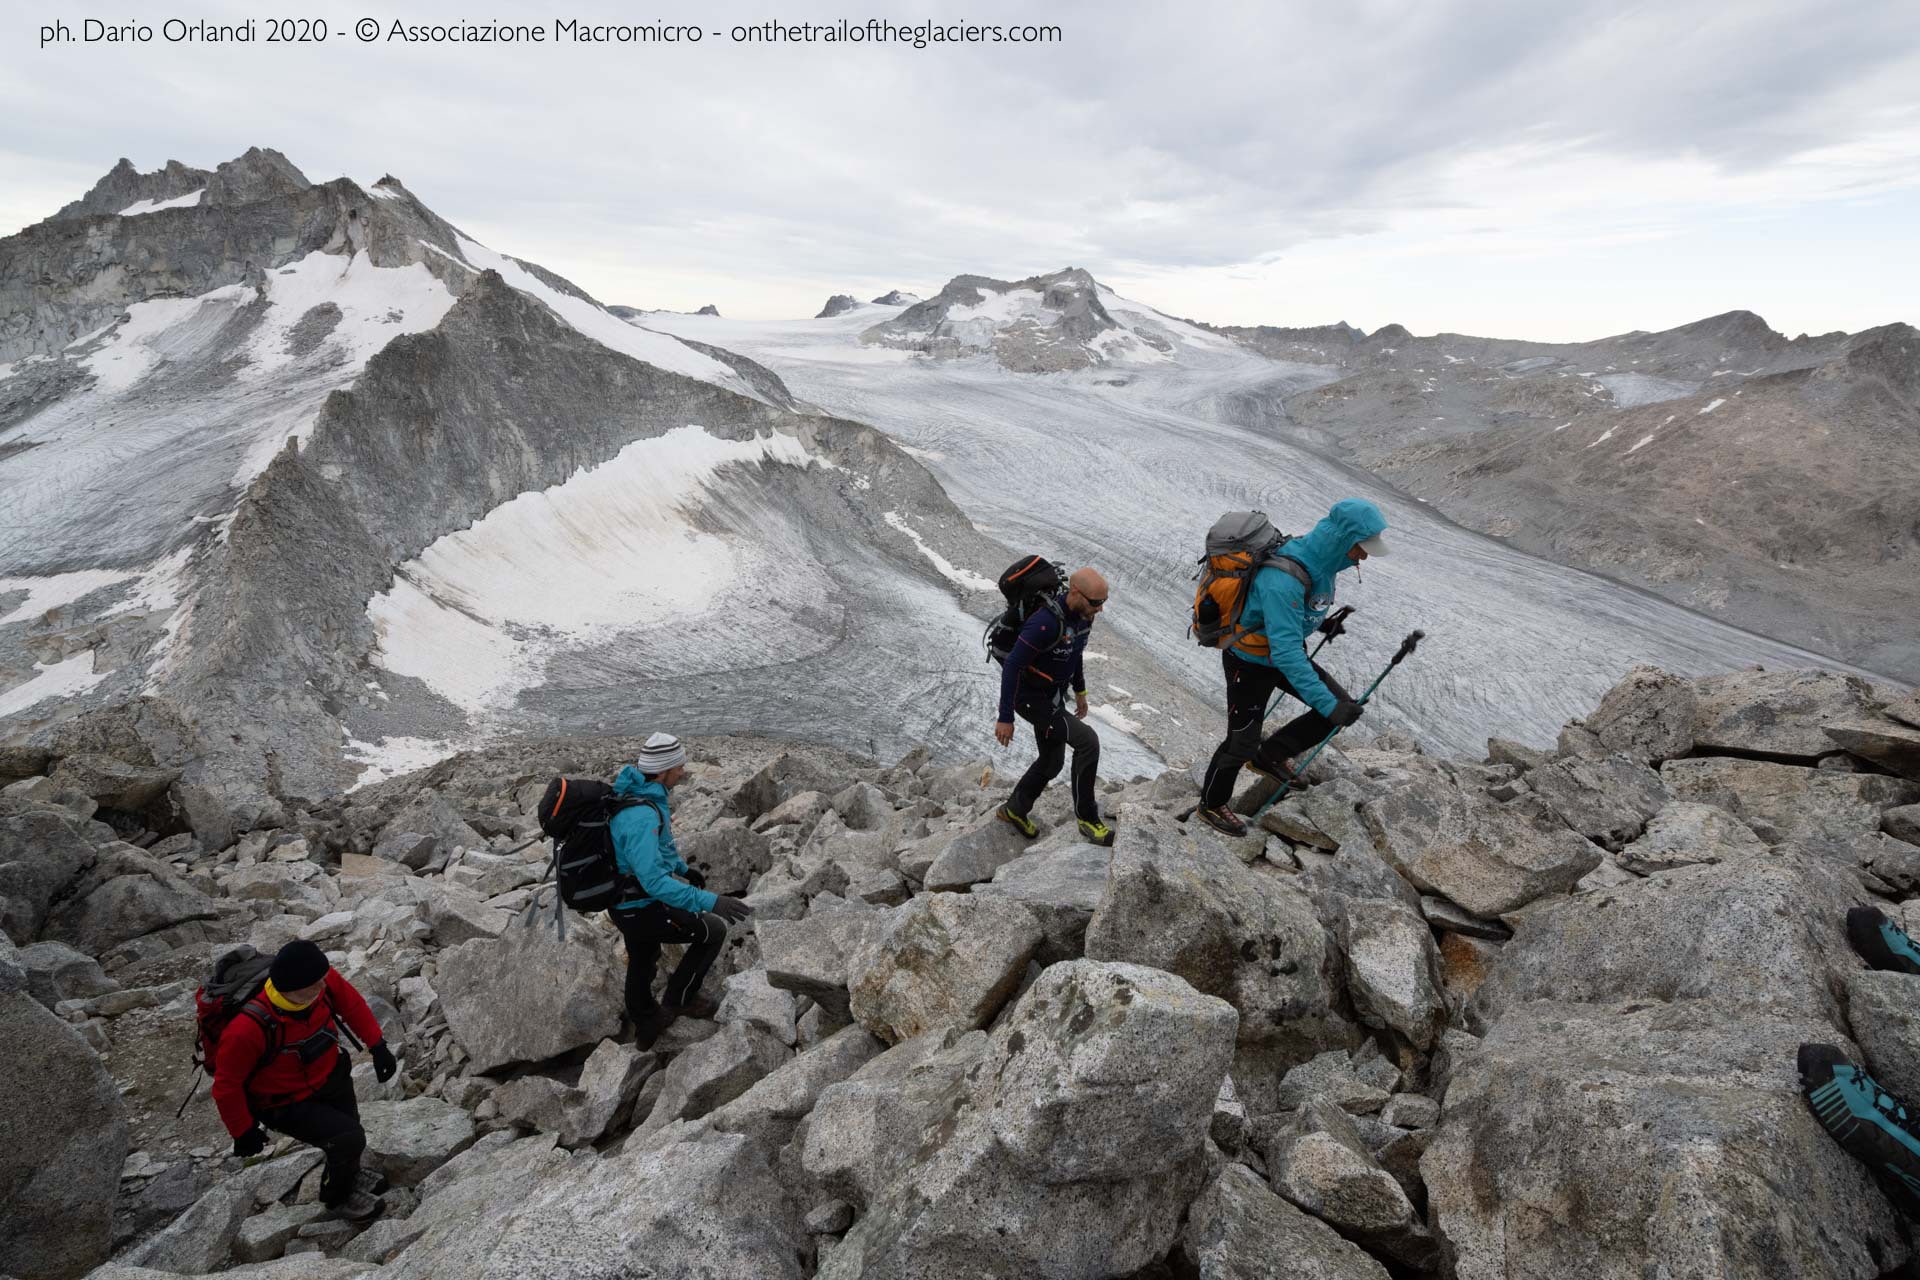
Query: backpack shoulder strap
[{"x": 1293, "y": 569}]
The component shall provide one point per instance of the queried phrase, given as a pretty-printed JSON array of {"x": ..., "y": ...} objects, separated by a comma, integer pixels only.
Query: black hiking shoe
[
  {"x": 698, "y": 1007},
  {"x": 1223, "y": 819},
  {"x": 1880, "y": 942},
  {"x": 1865, "y": 1120},
  {"x": 369, "y": 1181},
  {"x": 648, "y": 1028}
]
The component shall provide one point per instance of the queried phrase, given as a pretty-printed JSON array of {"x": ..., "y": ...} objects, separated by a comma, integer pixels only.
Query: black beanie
[{"x": 297, "y": 965}]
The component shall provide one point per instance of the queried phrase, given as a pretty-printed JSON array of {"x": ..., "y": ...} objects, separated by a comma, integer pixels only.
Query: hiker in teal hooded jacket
[
  {"x": 669, "y": 901},
  {"x": 1270, "y": 653}
]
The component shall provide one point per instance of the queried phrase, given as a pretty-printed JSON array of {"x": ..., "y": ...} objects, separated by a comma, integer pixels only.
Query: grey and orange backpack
[{"x": 1239, "y": 545}]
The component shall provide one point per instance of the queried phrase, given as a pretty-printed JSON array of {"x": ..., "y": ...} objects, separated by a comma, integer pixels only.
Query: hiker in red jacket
[{"x": 280, "y": 1064}]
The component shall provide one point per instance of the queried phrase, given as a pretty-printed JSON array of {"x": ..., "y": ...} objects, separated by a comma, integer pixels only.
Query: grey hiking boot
[{"x": 359, "y": 1206}]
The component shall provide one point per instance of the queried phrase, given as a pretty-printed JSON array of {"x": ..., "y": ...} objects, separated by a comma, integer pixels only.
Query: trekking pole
[
  {"x": 1407, "y": 646},
  {"x": 1337, "y": 617}
]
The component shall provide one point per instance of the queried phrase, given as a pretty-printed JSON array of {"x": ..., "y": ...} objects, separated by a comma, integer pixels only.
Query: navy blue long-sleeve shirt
[{"x": 1048, "y": 652}]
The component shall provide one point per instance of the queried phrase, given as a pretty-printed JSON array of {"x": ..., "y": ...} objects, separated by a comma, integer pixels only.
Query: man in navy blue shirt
[{"x": 1045, "y": 663}]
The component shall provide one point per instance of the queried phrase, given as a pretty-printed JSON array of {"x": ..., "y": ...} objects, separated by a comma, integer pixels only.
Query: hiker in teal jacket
[
  {"x": 1271, "y": 654},
  {"x": 669, "y": 902}
]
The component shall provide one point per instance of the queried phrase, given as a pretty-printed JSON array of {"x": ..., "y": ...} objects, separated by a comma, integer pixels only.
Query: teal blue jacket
[
  {"x": 643, "y": 846},
  {"x": 1280, "y": 607}
]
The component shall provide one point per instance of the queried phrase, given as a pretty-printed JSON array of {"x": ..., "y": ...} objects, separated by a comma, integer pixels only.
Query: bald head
[{"x": 1086, "y": 592}]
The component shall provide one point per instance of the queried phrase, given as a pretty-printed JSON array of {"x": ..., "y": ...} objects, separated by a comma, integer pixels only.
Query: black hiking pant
[
  {"x": 327, "y": 1118},
  {"x": 1054, "y": 731},
  {"x": 1249, "y": 686},
  {"x": 645, "y": 928}
]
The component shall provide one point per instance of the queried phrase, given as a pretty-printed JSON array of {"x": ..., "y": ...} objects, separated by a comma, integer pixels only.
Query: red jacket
[{"x": 238, "y": 1087}]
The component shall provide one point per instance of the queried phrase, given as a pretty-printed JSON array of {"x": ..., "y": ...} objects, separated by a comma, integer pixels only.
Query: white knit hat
[{"x": 662, "y": 752}]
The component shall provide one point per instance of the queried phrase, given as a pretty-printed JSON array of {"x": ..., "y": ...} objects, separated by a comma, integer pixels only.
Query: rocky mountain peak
[
  {"x": 124, "y": 186},
  {"x": 838, "y": 305},
  {"x": 259, "y": 174}
]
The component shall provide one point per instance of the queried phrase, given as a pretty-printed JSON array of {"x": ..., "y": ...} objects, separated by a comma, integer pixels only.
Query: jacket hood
[
  {"x": 1324, "y": 550},
  {"x": 631, "y": 782}
]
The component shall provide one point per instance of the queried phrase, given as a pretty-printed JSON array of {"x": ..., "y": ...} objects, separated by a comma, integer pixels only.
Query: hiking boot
[
  {"x": 1281, "y": 773},
  {"x": 648, "y": 1027},
  {"x": 1865, "y": 1120},
  {"x": 1021, "y": 822},
  {"x": 1223, "y": 820},
  {"x": 358, "y": 1207},
  {"x": 1880, "y": 942},
  {"x": 698, "y": 1007},
  {"x": 369, "y": 1181},
  {"x": 1097, "y": 831}
]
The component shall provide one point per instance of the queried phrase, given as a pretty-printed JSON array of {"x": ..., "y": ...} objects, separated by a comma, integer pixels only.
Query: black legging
[
  {"x": 327, "y": 1118},
  {"x": 645, "y": 928},
  {"x": 1249, "y": 686},
  {"x": 1053, "y": 732}
]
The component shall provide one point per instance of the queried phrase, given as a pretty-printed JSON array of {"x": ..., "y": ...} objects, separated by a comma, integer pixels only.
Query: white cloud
[{"x": 1236, "y": 162}]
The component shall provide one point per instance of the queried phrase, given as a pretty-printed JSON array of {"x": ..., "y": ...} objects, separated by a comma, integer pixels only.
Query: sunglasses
[{"x": 1099, "y": 603}]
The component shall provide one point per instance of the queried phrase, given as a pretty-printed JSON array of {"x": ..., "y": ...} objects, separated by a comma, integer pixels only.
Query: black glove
[
  {"x": 1335, "y": 623},
  {"x": 1345, "y": 712},
  {"x": 732, "y": 910},
  {"x": 695, "y": 879},
  {"x": 383, "y": 1064},
  {"x": 250, "y": 1143}
]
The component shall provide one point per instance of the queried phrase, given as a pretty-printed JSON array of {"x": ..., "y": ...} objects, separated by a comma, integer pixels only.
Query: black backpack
[
  {"x": 1030, "y": 583},
  {"x": 576, "y": 814}
]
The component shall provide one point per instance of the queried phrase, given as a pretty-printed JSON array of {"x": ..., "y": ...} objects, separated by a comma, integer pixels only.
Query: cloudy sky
[{"x": 1547, "y": 170}]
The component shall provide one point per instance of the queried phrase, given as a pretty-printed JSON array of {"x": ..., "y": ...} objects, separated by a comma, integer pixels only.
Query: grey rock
[
  {"x": 1886, "y": 865},
  {"x": 1607, "y": 800},
  {"x": 998, "y": 1192},
  {"x": 783, "y": 778},
  {"x": 776, "y": 1103},
  {"x": 1517, "y": 754},
  {"x": 1238, "y": 1229},
  {"x": 1482, "y": 856},
  {"x": 728, "y": 854},
  {"x": 1685, "y": 834},
  {"x": 1178, "y": 900},
  {"x": 1410, "y": 1111},
  {"x": 1648, "y": 716},
  {"x": 112, "y": 783},
  {"x": 943, "y": 960},
  {"x": 1902, "y": 823},
  {"x": 714, "y": 1072},
  {"x": 710, "y": 1205},
  {"x": 609, "y": 1083},
  {"x": 1062, "y": 888},
  {"x": 974, "y": 855},
  {"x": 812, "y": 957},
  {"x": 199, "y": 1240},
  {"x": 409, "y": 1140},
  {"x": 527, "y": 996},
  {"x": 432, "y": 815},
  {"x": 1884, "y": 1011},
  {"x": 1750, "y": 935},
  {"x": 750, "y": 998},
  {"x": 1783, "y": 802},
  {"x": 1099, "y": 1073},
  {"x": 830, "y": 1219},
  {"x": 1329, "y": 1172},
  {"x": 55, "y": 972},
  {"x": 63, "y": 1140},
  {"x": 1449, "y": 918},
  {"x": 1886, "y": 743},
  {"x": 801, "y": 812},
  {"x": 1393, "y": 970},
  {"x": 1361, "y": 1087},
  {"x": 1228, "y": 1128},
  {"x": 1673, "y": 1132},
  {"x": 865, "y": 1133},
  {"x": 42, "y": 852},
  {"x": 265, "y": 1235},
  {"x": 838, "y": 304},
  {"x": 1777, "y": 713}
]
